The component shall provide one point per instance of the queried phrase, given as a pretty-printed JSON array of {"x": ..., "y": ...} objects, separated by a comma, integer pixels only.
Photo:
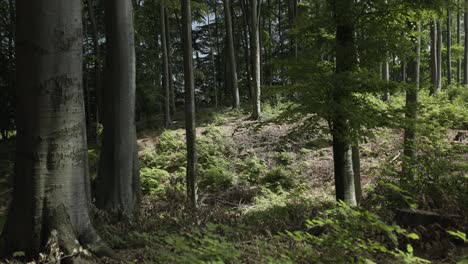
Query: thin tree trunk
[
  {"x": 192, "y": 186},
  {"x": 357, "y": 172},
  {"x": 172, "y": 100},
  {"x": 51, "y": 184},
  {"x": 386, "y": 77},
  {"x": 118, "y": 182},
  {"x": 255, "y": 46},
  {"x": 465, "y": 69},
  {"x": 439, "y": 57},
  {"x": 449, "y": 47},
  {"x": 434, "y": 62},
  {"x": 459, "y": 61},
  {"x": 218, "y": 49},
  {"x": 412, "y": 99},
  {"x": 232, "y": 72},
  {"x": 213, "y": 63},
  {"x": 165, "y": 93},
  {"x": 247, "y": 57}
]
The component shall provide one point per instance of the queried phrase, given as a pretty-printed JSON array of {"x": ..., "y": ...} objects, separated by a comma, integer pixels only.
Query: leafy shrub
[
  {"x": 207, "y": 245},
  {"x": 153, "y": 180},
  {"x": 350, "y": 235},
  {"x": 252, "y": 169},
  {"x": 280, "y": 177}
]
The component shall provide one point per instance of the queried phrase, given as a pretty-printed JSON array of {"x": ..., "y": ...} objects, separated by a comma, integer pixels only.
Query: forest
[{"x": 234, "y": 131}]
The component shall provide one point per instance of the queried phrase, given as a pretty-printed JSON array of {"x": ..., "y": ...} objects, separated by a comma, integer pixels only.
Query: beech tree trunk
[
  {"x": 459, "y": 61},
  {"x": 449, "y": 47},
  {"x": 118, "y": 182},
  {"x": 386, "y": 77},
  {"x": 255, "y": 47},
  {"x": 434, "y": 57},
  {"x": 342, "y": 149},
  {"x": 465, "y": 25},
  {"x": 192, "y": 186},
  {"x": 232, "y": 69},
  {"x": 411, "y": 111},
  {"x": 51, "y": 185},
  {"x": 213, "y": 62},
  {"x": 165, "y": 93},
  {"x": 172, "y": 100},
  {"x": 439, "y": 57}
]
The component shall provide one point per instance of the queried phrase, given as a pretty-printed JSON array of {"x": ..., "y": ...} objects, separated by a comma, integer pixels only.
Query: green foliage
[
  {"x": 154, "y": 180},
  {"x": 447, "y": 110},
  {"x": 351, "y": 235},
  {"x": 207, "y": 245}
]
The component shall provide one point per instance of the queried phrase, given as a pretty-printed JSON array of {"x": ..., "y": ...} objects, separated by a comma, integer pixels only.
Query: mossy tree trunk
[{"x": 51, "y": 184}]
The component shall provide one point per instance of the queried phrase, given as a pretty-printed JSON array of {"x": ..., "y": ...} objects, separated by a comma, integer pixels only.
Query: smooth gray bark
[
  {"x": 386, "y": 77},
  {"x": 51, "y": 184},
  {"x": 232, "y": 69},
  {"x": 255, "y": 46},
  {"x": 192, "y": 185},
  {"x": 118, "y": 182},
  {"x": 213, "y": 62},
  {"x": 459, "y": 61}
]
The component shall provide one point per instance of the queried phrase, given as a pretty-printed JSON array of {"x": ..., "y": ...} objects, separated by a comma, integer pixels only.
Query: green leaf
[{"x": 413, "y": 236}]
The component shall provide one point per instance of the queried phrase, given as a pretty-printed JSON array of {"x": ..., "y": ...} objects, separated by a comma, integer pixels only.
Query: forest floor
[{"x": 257, "y": 180}]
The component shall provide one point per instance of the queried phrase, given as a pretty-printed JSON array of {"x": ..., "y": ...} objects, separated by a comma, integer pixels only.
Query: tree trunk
[
  {"x": 345, "y": 61},
  {"x": 165, "y": 93},
  {"x": 255, "y": 47},
  {"x": 449, "y": 47},
  {"x": 412, "y": 108},
  {"x": 232, "y": 72},
  {"x": 172, "y": 101},
  {"x": 386, "y": 77},
  {"x": 465, "y": 25},
  {"x": 357, "y": 172},
  {"x": 218, "y": 49},
  {"x": 247, "y": 57},
  {"x": 118, "y": 182},
  {"x": 51, "y": 184},
  {"x": 192, "y": 186},
  {"x": 434, "y": 62},
  {"x": 439, "y": 57},
  {"x": 213, "y": 62},
  {"x": 459, "y": 61}
]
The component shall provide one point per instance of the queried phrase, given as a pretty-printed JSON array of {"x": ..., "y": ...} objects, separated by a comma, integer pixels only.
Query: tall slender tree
[
  {"x": 411, "y": 111},
  {"x": 459, "y": 61},
  {"x": 434, "y": 57},
  {"x": 255, "y": 51},
  {"x": 449, "y": 47},
  {"x": 439, "y": 56},
  {"x": 192, "y": 186},
  {"x": 166, "y": 94},
  {"x": 232, "y": 66},
  {"x": 51, "y": 183},
  {"x": 345, "y": 62},
  {"x": 118, "y": 181},
  {"x": 465, "y": 62}
]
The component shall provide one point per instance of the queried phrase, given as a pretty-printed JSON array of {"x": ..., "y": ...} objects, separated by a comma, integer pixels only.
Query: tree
[
  {"x": 439, "y": 56},
  {"x": 411, "y": 107},
  {"x": 255, "y": 53},
  {"x": 465, "y": 24},
  {"x": 118, "y": 182},
  {"x": 165, "y": 60},
  {"x": 232, "y": 66},
  {"x": 449, "y": 47},
  {"x": 345, "y": 62},
  {"x": 51, "y": 184},
  {"x": 192, "y": 186},
  {"x": 434, "y": 57}
]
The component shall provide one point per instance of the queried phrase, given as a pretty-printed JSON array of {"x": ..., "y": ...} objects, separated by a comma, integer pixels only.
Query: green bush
[
  {"x": 251, "y": 170},
  {"x": 280, "y": 178},
  {"x": 154, "y": 180}
]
